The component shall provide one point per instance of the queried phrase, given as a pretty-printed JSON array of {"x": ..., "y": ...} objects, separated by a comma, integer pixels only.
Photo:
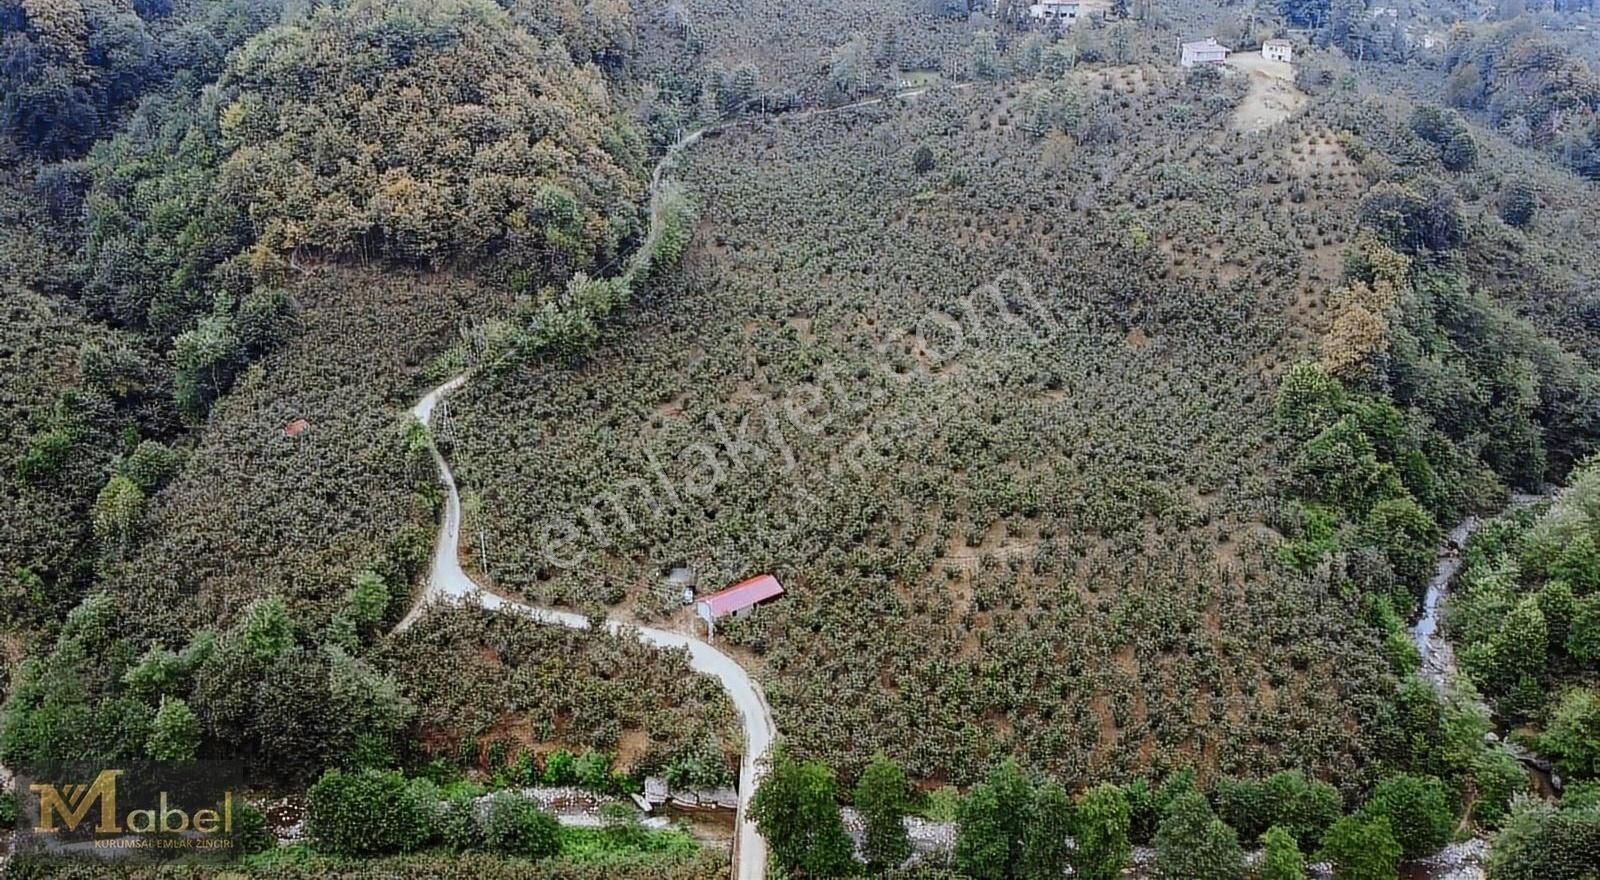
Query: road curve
[{"x": 448, "y": 581}]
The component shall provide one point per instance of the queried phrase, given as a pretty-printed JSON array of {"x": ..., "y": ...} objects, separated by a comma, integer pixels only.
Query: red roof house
[
  {"x": 737, "y": 599},
  {"x": 296, "y": 428}
]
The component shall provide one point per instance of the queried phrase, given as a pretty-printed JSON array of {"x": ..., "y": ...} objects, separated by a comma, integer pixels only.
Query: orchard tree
[{"x": 881, "y": 796}]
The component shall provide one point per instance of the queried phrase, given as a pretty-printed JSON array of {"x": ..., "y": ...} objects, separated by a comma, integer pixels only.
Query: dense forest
[{"x": 1106, "y": 422}]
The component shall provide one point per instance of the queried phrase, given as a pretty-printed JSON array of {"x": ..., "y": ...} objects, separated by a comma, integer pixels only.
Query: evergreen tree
[
  {"x": 1519, "y": 203},
  {"x": 1520, "y": 651},
  {"x": 1417, "y": 809},
  {"x": 993, "y": 823},
  {"x": 1573, "y": 735},
  {"x": 1361, "y": 849},
  {"x": 1045, "y": 854},
  {"x": 116, "y": 512},
  {"x": 175, "y": 733}
]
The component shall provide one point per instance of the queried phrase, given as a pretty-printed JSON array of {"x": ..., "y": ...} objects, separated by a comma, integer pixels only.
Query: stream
[{"x": 1462, "y": 861}]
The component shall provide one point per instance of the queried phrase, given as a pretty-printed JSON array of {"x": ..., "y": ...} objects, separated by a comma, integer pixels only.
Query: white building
[
  {"x": 1056, "y": 10},
  {"x": 1278, "y": 50},
  {"x": 1207, "y": 51}
]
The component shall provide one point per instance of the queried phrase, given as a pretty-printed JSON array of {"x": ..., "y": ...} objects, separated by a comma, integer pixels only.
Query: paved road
[{"x": 447, "y": 580}]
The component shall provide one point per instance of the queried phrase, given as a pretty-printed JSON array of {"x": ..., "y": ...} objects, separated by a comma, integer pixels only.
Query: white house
[
  {"x": 1278, "y": 50},
  {"x": 1056, "y": 10},
  {"x": 1207, "y": 51}
]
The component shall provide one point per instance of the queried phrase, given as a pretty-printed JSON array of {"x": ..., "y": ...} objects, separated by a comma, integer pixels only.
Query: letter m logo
[{"x": 72, "y": 803}]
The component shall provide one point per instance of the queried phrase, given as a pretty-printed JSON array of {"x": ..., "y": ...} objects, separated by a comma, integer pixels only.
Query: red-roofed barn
[{"x": 736, "y": 600}]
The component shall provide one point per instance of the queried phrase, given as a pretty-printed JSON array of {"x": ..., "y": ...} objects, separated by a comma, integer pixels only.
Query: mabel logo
[
  {"x": 156, "y": 811},
  {"x": 70, "y": 805}
]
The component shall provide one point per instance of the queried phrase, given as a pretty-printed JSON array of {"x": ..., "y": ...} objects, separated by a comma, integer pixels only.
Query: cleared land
[{"x": 1273, "y": 96}]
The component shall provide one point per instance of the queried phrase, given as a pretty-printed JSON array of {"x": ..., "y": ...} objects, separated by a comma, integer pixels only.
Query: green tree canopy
[
  {"x": 881, "y": 796},
  {"x": 796, "y": 808},
  {"x": 1100, "y": 830},
  {"x": 1361, "y": 849},
  {"x": 1193, "y": 844},
  {"x": 1417, "y": 809}
]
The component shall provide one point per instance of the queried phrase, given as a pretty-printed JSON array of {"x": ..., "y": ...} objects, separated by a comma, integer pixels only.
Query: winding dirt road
[{"x": 447, "y": 581}]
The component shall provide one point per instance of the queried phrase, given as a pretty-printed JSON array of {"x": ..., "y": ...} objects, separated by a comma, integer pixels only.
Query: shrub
[
  {"x": 250, "y": 830},
  {"x": 370, "y": 812},
  {"x": 459, "y": 830},
  {"x": 560, "y": 768},
  {"x": 516, "y": 826}
]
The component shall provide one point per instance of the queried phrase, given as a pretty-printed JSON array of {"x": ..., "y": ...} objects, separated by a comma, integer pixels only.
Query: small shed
[
  {"x": 736, "y": 600},
  {"x": 296, "y": 428},
  {"x": 1207, "y": 51},
  {"x": 1278, "y": 50}
]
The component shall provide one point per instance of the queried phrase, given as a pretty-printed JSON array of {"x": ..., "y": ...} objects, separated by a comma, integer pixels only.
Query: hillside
[
  {"x": 1106, "y": 422},
  {"x": 1004, "y": 424}
]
